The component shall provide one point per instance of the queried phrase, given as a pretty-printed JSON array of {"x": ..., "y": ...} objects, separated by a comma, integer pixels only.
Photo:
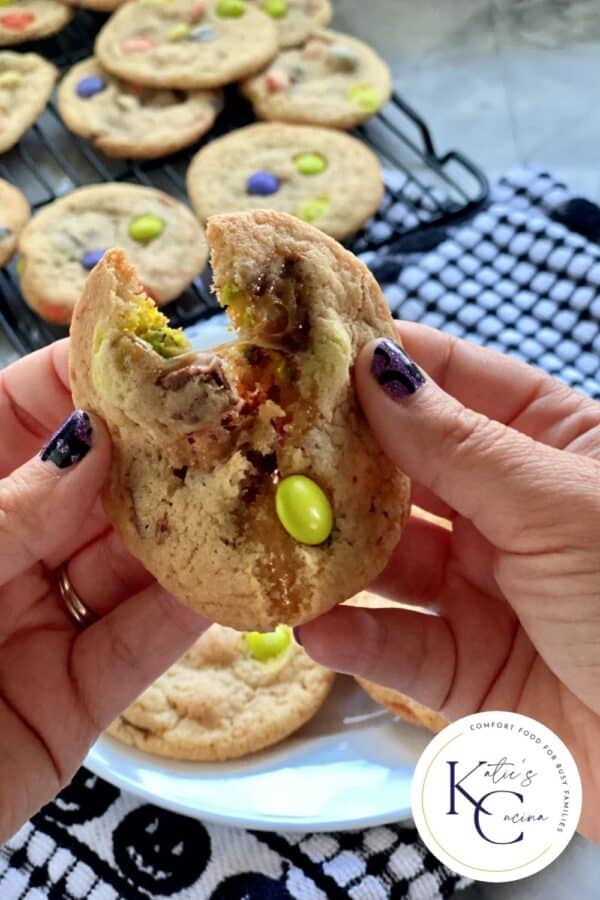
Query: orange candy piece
[
  {"x": 17, "y": 21},
  {"x": 196, "y": 13},
  {"x": 138, "y": 43}
]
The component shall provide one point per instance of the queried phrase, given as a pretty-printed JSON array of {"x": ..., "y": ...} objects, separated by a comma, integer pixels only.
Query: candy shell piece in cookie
[
  {"x": 399, "y": 704},
  {"x": 186, "y": 44},
  {"x": 228, "y": 696},
  {"x": 127, "y": 120},
  {"x": 296, "y": 20},
  {"x": 26, "y": 82},
  {"x": 322, "y": 176},
  {"x": 246, "y": 479},
  {"x": 28, "y": 20},
  {"x": 66, "y": 239},
  {"x": 14, "y": 212},
  {"x": 333, "y": 79}
]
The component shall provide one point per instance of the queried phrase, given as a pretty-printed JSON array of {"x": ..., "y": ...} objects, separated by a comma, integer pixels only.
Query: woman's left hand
[{"x": 60, "y": 687}]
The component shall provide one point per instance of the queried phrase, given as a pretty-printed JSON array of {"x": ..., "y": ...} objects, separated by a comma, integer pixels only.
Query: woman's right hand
[{"x": 513, "y": 458}]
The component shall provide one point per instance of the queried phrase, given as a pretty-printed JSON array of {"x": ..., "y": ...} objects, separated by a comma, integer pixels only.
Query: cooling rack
[{"x": 425, "y": 192}]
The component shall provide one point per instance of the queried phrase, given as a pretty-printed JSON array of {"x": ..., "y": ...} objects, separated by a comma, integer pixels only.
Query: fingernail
[
  {"x": 297, "y": 638},
  {"x": 71, "y": 442},
  {"x": 395, "y": 371}
]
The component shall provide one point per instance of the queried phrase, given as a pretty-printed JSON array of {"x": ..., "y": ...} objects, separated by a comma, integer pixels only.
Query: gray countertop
[{"x": 505, "y": 81}]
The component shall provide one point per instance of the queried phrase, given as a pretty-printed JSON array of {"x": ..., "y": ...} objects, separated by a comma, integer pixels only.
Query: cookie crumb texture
[
  {"x": 130, "y": 121},
  {"x": 28, "y": 20},
  {"x": 296, "y": 20},
  {"x": 333, "y": 80},
  {"x": 26, "y": 82},
  {"x": 186, "y": 44},
  {"x": 326, "y": 178},
  {"x": 69, "y": 236},
  {"x": 201, "y": 440},
  {"x": 218, "y": 703}
]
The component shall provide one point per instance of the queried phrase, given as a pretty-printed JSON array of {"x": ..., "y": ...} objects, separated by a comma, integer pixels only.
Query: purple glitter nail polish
[
  {"x": 70, "y": 443},
  {"x": 395, "y": 371}
]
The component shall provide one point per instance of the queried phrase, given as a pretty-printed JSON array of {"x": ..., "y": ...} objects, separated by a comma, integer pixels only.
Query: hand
[
  {"x": 60, "y": 687},
  {"x": 512, "y": 457}
]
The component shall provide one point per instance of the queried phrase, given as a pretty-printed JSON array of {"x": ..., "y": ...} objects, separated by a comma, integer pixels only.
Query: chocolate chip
[{"x": 180, "y": 473}]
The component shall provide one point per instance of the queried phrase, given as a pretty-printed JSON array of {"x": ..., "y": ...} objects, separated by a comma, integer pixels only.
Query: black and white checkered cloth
[{"x": 523, "y": 277}]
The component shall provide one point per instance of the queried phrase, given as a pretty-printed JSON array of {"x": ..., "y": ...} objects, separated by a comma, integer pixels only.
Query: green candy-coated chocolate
[
  {"x": 146, "y": 228},
  {"x": 304, "y": 510},
  {"x": 366, "y": 97},
  {"x": 310, "y": 163},
  {"x": 312, "y": 210},
  {"x": 268, "y": 645},
  {"x": 5, "y": 2},
  {"x": 231, "y": 9},
  {"x": 275, "y": 8}
]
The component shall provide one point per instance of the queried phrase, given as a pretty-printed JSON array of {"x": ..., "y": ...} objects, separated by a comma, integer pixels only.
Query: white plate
[{"x": 350, "y": 767}]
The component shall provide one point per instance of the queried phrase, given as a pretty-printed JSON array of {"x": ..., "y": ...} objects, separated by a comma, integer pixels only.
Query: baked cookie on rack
[
  {"x": 230, "y": 695},
  {"x": 296, "y": 20},
  {"x": 14, "y": 212},
  {"x": 66, "y": 238},
  {"x": 333, "y": 79},
  {"x": 26, "y": 82},
  {"x": 128, "y": 120},
  {"x": 28, "y": 20},
  {"x": 187, "y": 44},
  {"x": 245, "y": 478},
  {"x": 399, "y": 704},
  {"x": 322, "y": 176}
]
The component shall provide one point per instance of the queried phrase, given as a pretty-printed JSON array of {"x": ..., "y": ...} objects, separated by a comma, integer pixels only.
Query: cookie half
[
  {"x": 186, "y": 44},
  {"x": 221, "y": 701},
  {"x": 66, "y": 239},
  {"x": 26, "y": 82},
  {"x": 333, "y": 79},
  {"x": 128, "y": 120},
  {"x": 296, "y": 20},
  {"x": 28, "y": 20},
  {"x": 324, "y": 177},
  {"x": 399, "y": 704},
  {"x": 246, "y": 479},
  {"x": 14, "y": 212}
]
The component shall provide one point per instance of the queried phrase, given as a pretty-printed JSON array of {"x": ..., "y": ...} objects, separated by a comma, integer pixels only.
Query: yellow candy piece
[
  {"x": 10, "y": 79},
  {"x": 313, "y": 210},
  {"x": 178, "y": 32},
  {"x": 304, "y": 510},
  {"x": 268, "y": 645},
  {"x": 310, "y": 163},
  {"x": 148, "y": 323},
  {"x": 231, "y": 9},
  {"x": 5, "y": 2},
  {"x": 275, "y": 8},
  {"x": 366, "y": 97},
  {"x": 146, "y": 228}
]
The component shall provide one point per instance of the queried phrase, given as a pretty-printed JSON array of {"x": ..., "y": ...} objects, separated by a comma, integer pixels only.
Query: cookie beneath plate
[
  {"x": 26, "y": 82},
  {"x": 296, "y": 20},
  {"x": 186, "y": 44},
  {"x": 128, "y": 120},
  {"x": 14, "y": 212},
  {"x": 65, "y": 240},
  {"x": 324, "y": 177},
  {"x": 28, "y": 20},
  {"x": 220, "y": 701}
]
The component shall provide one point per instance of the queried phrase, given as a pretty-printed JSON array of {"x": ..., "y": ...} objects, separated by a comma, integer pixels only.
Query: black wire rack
[{"x": 425, "y": 192}]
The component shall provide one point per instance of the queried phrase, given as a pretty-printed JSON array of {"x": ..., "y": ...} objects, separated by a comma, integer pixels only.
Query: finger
[
  {"x": 426, "y": 557},
  {"x": 44, "y": 504},
  {"x": 503, "y": 388},
  {"x": 118, "y": 657},
  {"x": 34, "y": 399},
  {"x": 430, "y": 658},
  {"x": 500, "y": 479}
]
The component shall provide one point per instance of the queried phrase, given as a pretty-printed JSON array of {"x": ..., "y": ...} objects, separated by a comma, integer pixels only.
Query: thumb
[
  {"x": 45, "y": 502},
  {"x": 505, "y": 482}
]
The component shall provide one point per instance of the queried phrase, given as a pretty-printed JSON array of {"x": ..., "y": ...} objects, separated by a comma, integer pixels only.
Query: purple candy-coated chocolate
[
  {"x": 262, "y": 183},
  {"x": 89, "y": 86},
  {"x": 89, "y": 259}
]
